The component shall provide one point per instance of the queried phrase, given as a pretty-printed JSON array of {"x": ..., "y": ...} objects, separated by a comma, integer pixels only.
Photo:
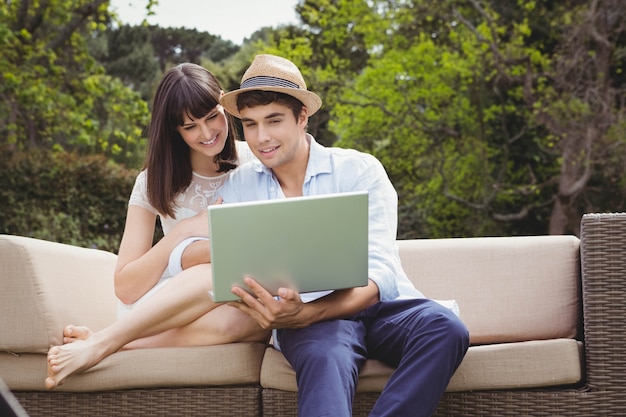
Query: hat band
[{"x": 264, "y": 81}]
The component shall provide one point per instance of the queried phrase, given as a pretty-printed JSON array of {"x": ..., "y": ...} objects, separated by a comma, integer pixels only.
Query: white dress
[{"x": 202, "y": 192}]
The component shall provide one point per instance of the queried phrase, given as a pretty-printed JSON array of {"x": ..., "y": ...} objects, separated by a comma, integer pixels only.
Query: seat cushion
[
  {"x": 230, "y": 364},
  {"x": 500, "y": 366}
]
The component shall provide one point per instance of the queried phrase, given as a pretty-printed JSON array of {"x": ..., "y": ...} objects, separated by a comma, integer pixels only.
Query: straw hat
[{"x": 272, "y": 73}]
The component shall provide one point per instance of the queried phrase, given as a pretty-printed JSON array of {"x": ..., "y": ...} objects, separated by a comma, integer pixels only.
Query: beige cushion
[
  {"x": 500, "y": 366},
  {"x": 509, "y": 289},
  {"x": 232, "y": 364},
  {"x": 46, "y": 285}
]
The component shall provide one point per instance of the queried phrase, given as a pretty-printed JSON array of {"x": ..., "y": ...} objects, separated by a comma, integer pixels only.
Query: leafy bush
[{"x": 64, "y": 197}]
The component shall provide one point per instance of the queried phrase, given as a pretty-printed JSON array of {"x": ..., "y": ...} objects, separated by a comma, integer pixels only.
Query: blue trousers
[{"x": 423, "y": 340}]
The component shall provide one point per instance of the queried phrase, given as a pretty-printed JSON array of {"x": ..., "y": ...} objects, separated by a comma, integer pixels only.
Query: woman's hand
[{"x": 196, "y": 225}]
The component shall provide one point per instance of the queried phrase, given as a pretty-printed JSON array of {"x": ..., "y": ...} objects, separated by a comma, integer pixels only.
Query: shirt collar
[{"x": 319, "y": 161}]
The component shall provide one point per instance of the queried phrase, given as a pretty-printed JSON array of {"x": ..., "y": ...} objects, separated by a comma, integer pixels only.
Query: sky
[{"x": 233, "y": 20}]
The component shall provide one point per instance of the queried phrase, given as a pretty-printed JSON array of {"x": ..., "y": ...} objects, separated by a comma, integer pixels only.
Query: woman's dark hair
[
  {"x": 187, "y": 89},
  {"x": 255, "y": 98}
]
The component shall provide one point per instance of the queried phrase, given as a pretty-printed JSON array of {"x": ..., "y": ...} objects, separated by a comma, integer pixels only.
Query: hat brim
[{"x": 310, "y": 100}]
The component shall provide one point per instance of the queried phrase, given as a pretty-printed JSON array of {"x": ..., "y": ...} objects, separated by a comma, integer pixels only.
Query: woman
[{"x": 190, "y": 153}]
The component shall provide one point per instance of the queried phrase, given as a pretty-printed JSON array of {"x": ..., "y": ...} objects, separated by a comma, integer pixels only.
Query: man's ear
[{"x": 303, "y": 118}]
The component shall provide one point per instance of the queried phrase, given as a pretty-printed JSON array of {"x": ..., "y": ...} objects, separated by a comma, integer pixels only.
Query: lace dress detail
[{"x": 202, "y": 192}]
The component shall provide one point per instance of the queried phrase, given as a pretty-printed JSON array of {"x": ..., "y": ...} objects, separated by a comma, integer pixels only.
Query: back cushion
[
  {"x": 509, "y": 289},
  {"x": 47, "y": 285}
]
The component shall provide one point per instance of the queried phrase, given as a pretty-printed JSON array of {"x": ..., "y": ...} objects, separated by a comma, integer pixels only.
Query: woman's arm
[
  {"x": 199, "y": 252},
  {"x": 139, "y": 264}
]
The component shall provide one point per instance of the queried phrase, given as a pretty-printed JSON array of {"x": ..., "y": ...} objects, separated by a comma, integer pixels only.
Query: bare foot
[
  {"x": 73, "y": 333},
  {"x": 69, "y": 359}
]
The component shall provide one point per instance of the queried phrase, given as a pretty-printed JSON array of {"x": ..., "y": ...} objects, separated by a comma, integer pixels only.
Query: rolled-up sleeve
[{"x": 383, "y": 260}]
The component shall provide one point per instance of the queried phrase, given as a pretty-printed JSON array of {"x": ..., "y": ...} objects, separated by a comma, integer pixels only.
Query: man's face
[{"x": 274, "y": 135}]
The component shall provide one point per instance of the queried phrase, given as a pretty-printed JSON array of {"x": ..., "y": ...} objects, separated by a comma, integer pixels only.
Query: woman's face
[{"x": 207, "y": 135}]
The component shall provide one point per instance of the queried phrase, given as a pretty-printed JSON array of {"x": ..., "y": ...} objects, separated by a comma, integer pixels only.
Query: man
[{"x": 328, "y": 338}]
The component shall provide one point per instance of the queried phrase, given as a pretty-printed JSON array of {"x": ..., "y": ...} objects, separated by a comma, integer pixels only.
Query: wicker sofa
[{"x": 546, "y": 316}]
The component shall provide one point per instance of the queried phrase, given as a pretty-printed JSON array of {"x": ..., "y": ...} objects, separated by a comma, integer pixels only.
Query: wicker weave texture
[
  {"x": 603, "y": 263},
  {"x": 567, "y": 402},
  {"x": 208, "y": 401}
]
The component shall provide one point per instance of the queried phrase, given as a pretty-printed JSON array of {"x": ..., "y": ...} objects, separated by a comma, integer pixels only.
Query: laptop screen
[{"x": 310, "y": 243}]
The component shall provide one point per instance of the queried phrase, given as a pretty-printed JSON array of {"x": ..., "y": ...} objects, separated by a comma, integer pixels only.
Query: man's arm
[{"x": 288, "y": 311}]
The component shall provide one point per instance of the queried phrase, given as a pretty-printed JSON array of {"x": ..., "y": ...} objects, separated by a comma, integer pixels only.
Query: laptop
[{"x": 310, "y": 243}]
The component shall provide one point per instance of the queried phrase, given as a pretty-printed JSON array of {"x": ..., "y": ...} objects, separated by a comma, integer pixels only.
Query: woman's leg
[
  {"x": 223, "y": 324},
  {"x": 185, "y": 301}
]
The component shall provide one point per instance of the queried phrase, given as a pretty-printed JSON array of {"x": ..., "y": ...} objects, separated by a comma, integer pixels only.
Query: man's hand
[
  {"x": 288, "y": 311},
  {"x": 269, "y": 312}
]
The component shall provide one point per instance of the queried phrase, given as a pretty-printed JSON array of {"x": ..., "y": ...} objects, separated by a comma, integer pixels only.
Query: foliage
[
  {"x": 64, "y": 197},
  {"x": 470, "y": 108},
  {"x": 491, "y": 117},
  {"x": 423, "y": 124},
  {"x": 53, "y": 94},
  {"x": 139, "y": 55},
  {"x": 127, "y": 54},
  {"x": 175, "y": 45}
]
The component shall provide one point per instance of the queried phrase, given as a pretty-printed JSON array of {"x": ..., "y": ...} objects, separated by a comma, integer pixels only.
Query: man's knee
[
  {"x": 454, "y": 333},
  {"x": 448, "y": 326}
]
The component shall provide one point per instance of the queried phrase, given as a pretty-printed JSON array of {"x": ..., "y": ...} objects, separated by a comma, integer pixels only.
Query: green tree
[
  {"x": 127, "y": 54},
  {"x": 53, "y": 93},
  {"x": 575, "y": 95},
  {"x": 423, "y": 124},
  {"x": 139, "y": 55},
  {"x": 175, "y": 45}
]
